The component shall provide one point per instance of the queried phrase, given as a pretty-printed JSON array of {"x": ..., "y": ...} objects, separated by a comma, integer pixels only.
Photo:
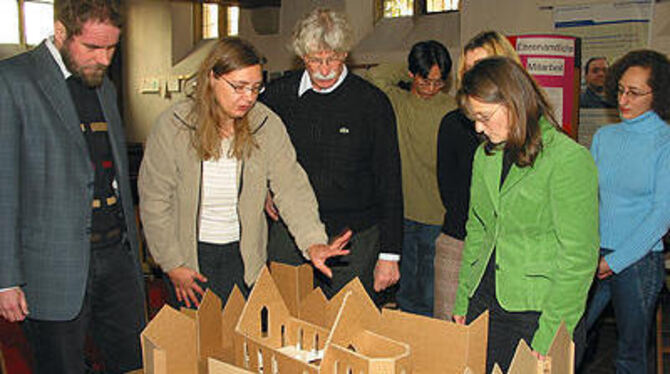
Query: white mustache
[{"x": 318, "y": 76}]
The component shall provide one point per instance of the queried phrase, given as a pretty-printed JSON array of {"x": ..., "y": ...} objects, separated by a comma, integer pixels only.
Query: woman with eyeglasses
[
  {"x": 207, "y": 166},
  {"x": 456, "y": 144},
  {"x": 633, "y": 160},
  {"x": 532, "y": 232}
]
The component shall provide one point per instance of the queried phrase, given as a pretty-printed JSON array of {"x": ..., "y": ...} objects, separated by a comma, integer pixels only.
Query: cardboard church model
[{"x": 286, "y": 326}]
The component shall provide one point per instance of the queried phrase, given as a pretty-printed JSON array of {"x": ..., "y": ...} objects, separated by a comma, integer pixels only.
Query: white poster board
[
  {"x": 607, "y": 29},
  {"x": 591, "y": 119}
]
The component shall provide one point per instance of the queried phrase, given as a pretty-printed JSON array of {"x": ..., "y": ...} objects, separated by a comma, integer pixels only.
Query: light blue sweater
[{"x": 633, "y": 160}]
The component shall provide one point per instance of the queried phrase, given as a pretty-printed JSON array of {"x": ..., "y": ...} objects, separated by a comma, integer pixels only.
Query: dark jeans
[
  {"x": 417, "y": 276},
  {"x": 112, "y": 313},
  {"x": 281, "y": 246},
  {"x": 222, "y": 265},
  {"x": 633, "y": 292},
  {"x": 360, "y": 262}
]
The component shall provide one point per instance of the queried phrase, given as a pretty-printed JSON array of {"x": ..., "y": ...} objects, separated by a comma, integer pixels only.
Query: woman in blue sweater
[{"x": 633, "y": 160}]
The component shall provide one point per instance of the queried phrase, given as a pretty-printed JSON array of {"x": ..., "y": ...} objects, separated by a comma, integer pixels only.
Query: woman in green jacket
[{"x": 532, "y": 233}]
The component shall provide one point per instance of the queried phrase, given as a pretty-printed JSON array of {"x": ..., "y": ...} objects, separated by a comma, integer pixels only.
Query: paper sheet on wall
[
  {"x": 590, "y": 120},
  {"x": 555, "y": 97},
  {"x": 607, "y": 29}
]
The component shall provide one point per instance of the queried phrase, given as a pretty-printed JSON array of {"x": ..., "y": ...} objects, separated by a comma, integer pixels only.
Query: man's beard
[{"x": 93, "y": 78}]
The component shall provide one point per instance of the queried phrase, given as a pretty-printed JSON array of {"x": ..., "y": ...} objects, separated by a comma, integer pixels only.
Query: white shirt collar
[
  {"x": 306, "y": 83},
  {"x": 56, "y": 55}
]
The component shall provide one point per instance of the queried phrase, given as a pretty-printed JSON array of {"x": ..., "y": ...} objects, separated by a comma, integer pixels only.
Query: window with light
[
  {"x": 25, "y": 22},
  {"x": 406, "y": 8},
  {"x": 210, "y": 21},
  {"x": 398, "y": 8},
  {"x": 233, "y": 20},
  {"x": 437, "y": 6},
  {"x": 219, "y": 20}
]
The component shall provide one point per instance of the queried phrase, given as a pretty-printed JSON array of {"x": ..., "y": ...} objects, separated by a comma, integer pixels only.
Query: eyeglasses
[
  {"x": 484, "y": 118},
  {"x": 328, "y": 61},
  {"x": 631, "y": 93},
  {"x": 430, "y": 83},
  {"x": 241, "y": 89}
]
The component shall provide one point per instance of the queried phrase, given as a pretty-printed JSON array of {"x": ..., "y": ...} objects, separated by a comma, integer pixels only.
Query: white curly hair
[{"x": 322, "y": 30}]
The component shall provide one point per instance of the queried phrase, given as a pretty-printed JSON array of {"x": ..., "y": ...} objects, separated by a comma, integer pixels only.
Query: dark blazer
[{"x": 47, "y": 185}]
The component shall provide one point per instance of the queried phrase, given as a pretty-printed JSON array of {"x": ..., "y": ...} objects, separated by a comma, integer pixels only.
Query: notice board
[{"x": 554, "y": 62}]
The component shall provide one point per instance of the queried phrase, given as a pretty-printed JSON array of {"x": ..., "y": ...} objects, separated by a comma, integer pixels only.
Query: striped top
[{"x": 219, "y": 223}]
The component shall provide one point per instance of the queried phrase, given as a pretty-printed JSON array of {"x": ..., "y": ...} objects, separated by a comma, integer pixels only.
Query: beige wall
[
  {"x": 8, "y": 50},
  {"x": 392, "y": 38},
  {"x": 388, "y": 40},
  {"x": 158, "y": 40},
  {"x": 147, "y": 49},
  {"x": 158, "y": 35},
  {"x": 507, "y": 16},
  {"x": 181, "y": 17},
  {"x": 660, "y": 27},
  {"x": 157, "y": 47}
]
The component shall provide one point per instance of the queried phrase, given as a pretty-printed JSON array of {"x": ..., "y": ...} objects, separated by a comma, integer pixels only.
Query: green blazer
[{"x": 543, "y": 223}]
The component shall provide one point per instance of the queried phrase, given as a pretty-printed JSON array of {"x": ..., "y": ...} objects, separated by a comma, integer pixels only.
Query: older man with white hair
[{"x": 344, "y": 132}]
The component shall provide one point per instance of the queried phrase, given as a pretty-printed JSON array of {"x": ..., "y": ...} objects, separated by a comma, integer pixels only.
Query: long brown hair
[
  {"x": 227, "y": 55},
  {"x": 503, "y": 81}
]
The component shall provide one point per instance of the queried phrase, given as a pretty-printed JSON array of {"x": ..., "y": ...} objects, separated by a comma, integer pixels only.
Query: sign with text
[{"x": 554, "y": 60}]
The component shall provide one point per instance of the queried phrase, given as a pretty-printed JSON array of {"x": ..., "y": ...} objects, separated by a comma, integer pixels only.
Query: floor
[
  {"x": 602, "y": 361},
  {"x": 16, "y": 351}
]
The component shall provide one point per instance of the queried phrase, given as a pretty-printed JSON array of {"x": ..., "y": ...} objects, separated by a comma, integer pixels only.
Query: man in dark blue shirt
[{"x": 593, "y": 95}]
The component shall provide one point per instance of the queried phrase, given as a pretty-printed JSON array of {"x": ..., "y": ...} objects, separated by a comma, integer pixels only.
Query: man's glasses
[
  {"x": 430, "y": 83},
  {"x": 241, "y": 89}
]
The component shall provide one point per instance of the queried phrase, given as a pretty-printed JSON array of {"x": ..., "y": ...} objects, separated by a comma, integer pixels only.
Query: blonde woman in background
[{"x": 456, "y": 144}]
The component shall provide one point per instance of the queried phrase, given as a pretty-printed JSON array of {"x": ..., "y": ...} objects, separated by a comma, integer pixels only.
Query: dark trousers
[
  {"x": 112, "y": 313},
  {"x": 633, "y": 292},
  {"x": 222, "y": 265},
  {"x": 507, "y": 328},
  {"x": 360, "y": 262},
  {"x": 417, "y": 275}
]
